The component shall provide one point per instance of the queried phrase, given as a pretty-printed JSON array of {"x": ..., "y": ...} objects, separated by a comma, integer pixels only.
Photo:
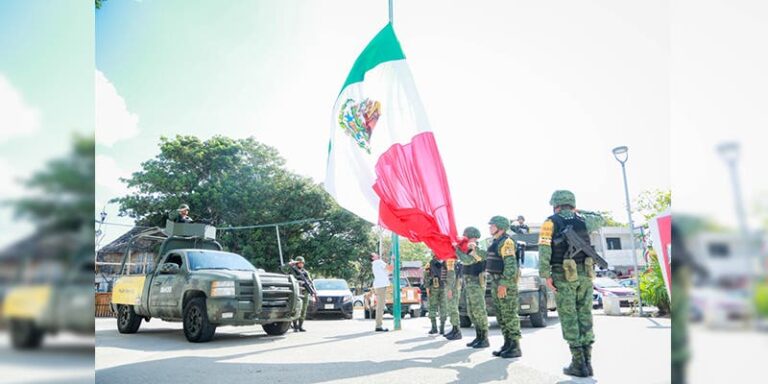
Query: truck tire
[
  {"x": 25, "y": 335},
  {"x": 197, "y": 328},
  {"x": 539, "y": 319},
  {"x": 465, "y": 322},
  {"x": 127, "y": 320},
  {"x": 415, "y": 313},
  {"x": 277, "y": 329}
]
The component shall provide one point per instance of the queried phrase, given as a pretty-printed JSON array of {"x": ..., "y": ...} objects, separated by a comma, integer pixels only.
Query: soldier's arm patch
[
  {"x": 450, "y": 263},
  {"x": 508, "y": 248},
  {"x": 545, "y": 235}
]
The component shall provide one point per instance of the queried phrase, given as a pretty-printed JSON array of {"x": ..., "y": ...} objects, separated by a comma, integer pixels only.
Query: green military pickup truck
[{"x": 197, "y": 283}]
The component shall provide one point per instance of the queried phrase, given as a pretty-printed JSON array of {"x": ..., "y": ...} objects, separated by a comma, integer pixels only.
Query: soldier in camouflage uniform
[
  {"x": 435, "y": 284},
  {"x": 502, "y": 265},
  {"x": 296, "y": 268},
  {"x": 474, "y": 286},
  {"x": 452, "y": 293},
  {"x": 570, "y": 277}
]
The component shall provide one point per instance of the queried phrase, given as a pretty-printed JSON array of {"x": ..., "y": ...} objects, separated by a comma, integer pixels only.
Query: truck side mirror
[{"x": 170, "y": 269}]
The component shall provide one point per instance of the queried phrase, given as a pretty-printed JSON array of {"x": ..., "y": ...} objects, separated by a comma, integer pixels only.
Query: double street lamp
[{"x": 622, "y": 154}]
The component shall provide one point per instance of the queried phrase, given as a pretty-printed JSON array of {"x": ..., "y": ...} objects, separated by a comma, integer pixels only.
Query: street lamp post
[
  {"x": 729, "y": 151},
  {"x": 621, "y": 154}
]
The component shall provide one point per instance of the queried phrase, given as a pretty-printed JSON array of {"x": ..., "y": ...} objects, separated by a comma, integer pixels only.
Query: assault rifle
[
  {"x": 303, "y": 279},
  {"x": 576, "y": 245}
]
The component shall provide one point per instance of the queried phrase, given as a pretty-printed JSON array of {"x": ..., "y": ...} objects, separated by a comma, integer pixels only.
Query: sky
[
  {"x": 523, "y": 97},
  {"x": 46, "y": 93}
]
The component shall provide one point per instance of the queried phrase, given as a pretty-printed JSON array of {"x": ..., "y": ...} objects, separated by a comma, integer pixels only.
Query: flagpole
[{"x": 396, "y": 311}]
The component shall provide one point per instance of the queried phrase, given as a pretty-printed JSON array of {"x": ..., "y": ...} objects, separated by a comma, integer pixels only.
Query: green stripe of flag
[{"x": 384, "y": 47}]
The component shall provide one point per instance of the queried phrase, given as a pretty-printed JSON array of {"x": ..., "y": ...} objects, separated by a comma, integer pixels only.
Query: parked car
[
  {"x": 333, "y": 297},
  {"x": 410, "y": 301},
  {"x": 605, "y": 286}
]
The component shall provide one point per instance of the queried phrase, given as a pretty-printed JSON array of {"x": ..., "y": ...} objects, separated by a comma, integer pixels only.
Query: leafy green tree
[
  {"x": 652, "y": 202},
  {"x": 62, "y": 194},
  {"x": 243, "y": 182},
  {"x": 653, "y": 290}
]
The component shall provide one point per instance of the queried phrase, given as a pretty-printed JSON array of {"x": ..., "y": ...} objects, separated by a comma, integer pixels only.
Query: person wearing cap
[
  {"x": 296, "y": 267},
  {"x": 182, "y": 214},
  {"x": 570, "y": 277},
  {"x": 520, "y": 227},
  {"x": 503, "y": 270},
  {"x": 473, "y": 260}
]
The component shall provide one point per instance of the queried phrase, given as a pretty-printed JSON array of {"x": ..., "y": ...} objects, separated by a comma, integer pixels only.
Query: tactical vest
[
  {"x": 495, "y": 263},
  {"x": 560, "y": 248},
  {"x": 474, "y": 269}
]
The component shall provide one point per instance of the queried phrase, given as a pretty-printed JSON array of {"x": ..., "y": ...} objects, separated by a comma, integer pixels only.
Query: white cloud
[
  {"x": 16, "y": 116},
  {"x": 108, "y": 175},
  {"x": 113, "y": 120}
]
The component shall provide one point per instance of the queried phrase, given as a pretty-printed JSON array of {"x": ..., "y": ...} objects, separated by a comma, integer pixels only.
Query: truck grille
[{"x": 276, "y": 293}]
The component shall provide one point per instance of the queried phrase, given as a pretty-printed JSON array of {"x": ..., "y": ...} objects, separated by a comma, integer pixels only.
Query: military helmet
[
  {"x": 183, "y": 207},
  {"x": 472, "y": 232},
  {"x": 500, "y": 222},
  {"x": 562, "y": 197},
  {"x": 520, "y": 217},
  {"x": 300, "y": 259}
]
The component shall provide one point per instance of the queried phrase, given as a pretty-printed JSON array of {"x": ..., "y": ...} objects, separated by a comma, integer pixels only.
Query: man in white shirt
[{"x": 380, "y": 284}]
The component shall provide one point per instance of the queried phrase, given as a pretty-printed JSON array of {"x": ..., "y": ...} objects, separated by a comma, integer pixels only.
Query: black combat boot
[
  {"x": 477, "y": 338},
  {"x": 301, "y": 326},
  {"x": 434, "y": 327},
  {"x": 455, "y": 334},
  {"x": 577, "y": 367},
  {"x": 504, "y": 347},
  {"x": 483, "y": 342},
  {"x": 451, "y": 333},
  {"x": 513, "y": 350},
  {"x": 588, "y": 359},
  {"x": 442, "y": 327},
  {"x": 295, "y": 326}
]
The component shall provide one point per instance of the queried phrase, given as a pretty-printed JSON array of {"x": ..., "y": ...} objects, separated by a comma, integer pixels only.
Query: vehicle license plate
[{"x": 329, "y": 306}]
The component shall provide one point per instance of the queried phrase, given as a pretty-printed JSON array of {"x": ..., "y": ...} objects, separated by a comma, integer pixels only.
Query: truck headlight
[
  {"x": 528, "y": 283},
  {"x": 222, "y": 288},
  {"x": 347, "y": 299}
]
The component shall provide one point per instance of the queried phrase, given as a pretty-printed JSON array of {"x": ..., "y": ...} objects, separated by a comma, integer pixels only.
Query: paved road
[
  {"x": 628, "y": 350},
  {"x": 62, "y": 359}
]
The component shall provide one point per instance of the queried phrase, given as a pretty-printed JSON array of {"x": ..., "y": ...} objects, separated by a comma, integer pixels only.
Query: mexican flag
[{"x": 383, "y": 163}]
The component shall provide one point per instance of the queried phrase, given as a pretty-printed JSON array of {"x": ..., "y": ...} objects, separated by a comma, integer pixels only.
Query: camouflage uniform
[
  {"x": 435, "y": 282},
  {"x": 453, "y": 285},
  {"x": 573, "y": 279},
  {"x": 501, "y": 264},
  {"x": 474, "y": 289},
  {"x": 306, "y": 289}
]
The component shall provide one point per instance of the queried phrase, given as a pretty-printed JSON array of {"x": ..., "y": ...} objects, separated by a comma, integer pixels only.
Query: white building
[
  {"x": 726, "y": 255},
  {"x": 614, "y": 245}
]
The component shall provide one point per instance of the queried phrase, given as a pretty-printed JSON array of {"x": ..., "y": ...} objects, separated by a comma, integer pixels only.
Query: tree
[
  {"x": 609, "y": 221},
  {"x": 63, "y": 192},
  {"x": 243, "y": 182},
  {"x": 653, "y": 202}
]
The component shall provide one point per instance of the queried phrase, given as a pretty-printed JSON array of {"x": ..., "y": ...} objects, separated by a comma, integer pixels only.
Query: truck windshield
[
  {"x": 218, "y": 260},
  {"x": 531, "y": 260},
  {"x": 331, "y": 285}
]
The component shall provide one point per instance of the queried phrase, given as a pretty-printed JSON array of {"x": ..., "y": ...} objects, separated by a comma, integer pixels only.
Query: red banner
[{"x": 661, "y": 236}]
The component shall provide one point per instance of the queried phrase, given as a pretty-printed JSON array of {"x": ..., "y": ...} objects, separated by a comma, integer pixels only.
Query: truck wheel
[
  {"x": 277, "y": 329},
  {"x": 416, "y": 313},
  {"x": 197, "y": 328},
  {"x": 465, "y": 322},
  {"x": 25, "y": 335},
  {"x": 539, "y": 319},
  {"x": 127, "y": 320},
  {"x": 402, "y": 314}
]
